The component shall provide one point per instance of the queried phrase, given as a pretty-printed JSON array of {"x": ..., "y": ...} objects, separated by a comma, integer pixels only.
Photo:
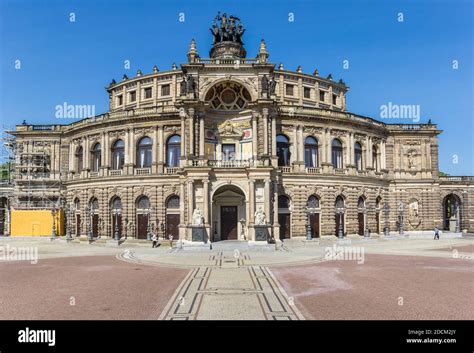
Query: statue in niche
[
  {"x": 411, "y": 156},
  {"x": 182, "y": 86},
  {"x": 264, "y": 84},
  {"x": 260, "y": 217},
  {"x": 198, "y": 219}
]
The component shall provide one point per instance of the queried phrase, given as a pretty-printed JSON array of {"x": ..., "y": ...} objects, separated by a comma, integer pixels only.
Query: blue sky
[{"x": 407, "y": 62}]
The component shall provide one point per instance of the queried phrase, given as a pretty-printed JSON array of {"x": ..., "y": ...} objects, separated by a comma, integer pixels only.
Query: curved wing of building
[{"x": 231, "y": 147}]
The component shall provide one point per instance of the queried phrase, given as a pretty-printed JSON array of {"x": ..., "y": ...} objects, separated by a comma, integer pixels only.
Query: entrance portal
[
  {"x": 228, "y": 222},
  {"x": 228, "y": 214}
]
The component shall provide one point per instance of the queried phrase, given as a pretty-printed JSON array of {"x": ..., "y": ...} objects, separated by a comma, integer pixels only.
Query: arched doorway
[
  {"x": 172, "y": 217},
  {"x": 361, "y": 215},
  {"x": 339, "y": 216},
  {"x": 116, "y": 217},
  {"x": 314, "y": 209},
  {"x": 143, "y": 216},
  {"x": 228, "y": 207},
  {"x": 451, "y": 212},
  {"x": 284, "y": 216}
]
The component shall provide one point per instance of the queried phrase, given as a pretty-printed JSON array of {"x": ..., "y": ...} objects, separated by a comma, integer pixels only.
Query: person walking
[
  {"x": 436, "y": 233},
  {"x": 170, "y": 237},
  {"x": 154, "y": 240}
]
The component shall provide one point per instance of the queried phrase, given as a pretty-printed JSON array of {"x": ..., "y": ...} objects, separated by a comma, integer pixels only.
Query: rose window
[{"x": 228, "y": 96}]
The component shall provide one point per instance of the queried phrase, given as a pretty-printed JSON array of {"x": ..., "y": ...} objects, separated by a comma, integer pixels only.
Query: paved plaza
[{"x": 396, "y": 277}]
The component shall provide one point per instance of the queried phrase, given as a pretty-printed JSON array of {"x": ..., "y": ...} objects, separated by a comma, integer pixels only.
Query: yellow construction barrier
[{"x": 35, "y": 223}]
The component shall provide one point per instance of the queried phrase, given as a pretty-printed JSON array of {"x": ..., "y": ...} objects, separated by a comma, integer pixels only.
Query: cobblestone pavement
[{"x": 237, "y": 280}]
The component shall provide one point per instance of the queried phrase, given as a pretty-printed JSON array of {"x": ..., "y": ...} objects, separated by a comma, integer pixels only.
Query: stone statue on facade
[
  {"x": 182, "y": 87},
  {"x": 260, "y": 217},
  {"x": 272, "y": 86},
  {"x": 227, "y": 28},
  {"x": 198, "y": 219},
  {"x": 264, "y": 85},
  {"x": 190, "y": 85}
]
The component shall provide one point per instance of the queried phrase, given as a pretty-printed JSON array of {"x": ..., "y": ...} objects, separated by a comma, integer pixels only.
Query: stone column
[
  {"x": 161, "y": 148},
  {"x": 295, "y": 156},
  {"x": 183, "y": 142},
  {"x": 265, "y": 131},
  {"x": 251, "y": 201},
  {"x": 205, "y": 184},
  {"x": 190, "y": 201},
  {"x": 301, "y": 146},
  {"x": 383, "y": 157},
  {"x": 367, "y": 153},
  {"x": 323, "y": 145},
  {"x": 86, "y": 155},
  {"x": 71, "y": 156},
  {"x": 254, "y": 136},
  {"x": 181, "y": 203},
  {"x": 351, "y": 149},
  {"x": 107, "y": 151},
  {"x": 274, "y": 145},
  {"x": 103, "y": 152},
  {"x": 191, "y": 131},
  {"x": 201, "y": 137},
  {"x": 154, "y": 151},
  {"x": 328, "y": 149},
  {"x": 267, "y": 200},
  {"x": 276, "y": 226}
]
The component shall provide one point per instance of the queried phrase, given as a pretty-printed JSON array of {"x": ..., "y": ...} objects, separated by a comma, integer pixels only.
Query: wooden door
[
  {"x": 172, "y": 223},
  {"x": 228, "y": 222},
  {"x": 360, "y": 218},
  {"x": 142, "y": 225},
  {"x": 284, "y": 221},
  {"x": 95, "y": 225},
  {"x": 314, "y": 222}
]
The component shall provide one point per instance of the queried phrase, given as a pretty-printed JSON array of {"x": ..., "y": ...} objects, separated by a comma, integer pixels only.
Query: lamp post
[
  {"x": 386, "y": 210},
  {"x": 116, "y": 228},
  {"x": 400, "y": 218},
  {"x": 125, "y": 227},
  {"x": 68, "y": 222},
  {"x": 456, "y": 212},
  {"x": 366, "y": 223},
  {"x": 148, "y": 226},
  {"x": 340, "y": 231},
  {"x": 309, "y": 235},
  {"x": 89, "y": 223},
  {"x": 53, "y": 228}
]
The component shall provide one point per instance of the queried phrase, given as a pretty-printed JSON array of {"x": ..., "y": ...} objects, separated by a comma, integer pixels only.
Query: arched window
[
  {"x": 173, "y": 202},
  {"x": 358, "y": 156},
  {"x": 360, "y": 202},
  {"x": 79, "y": 159},
  {"x": 116, "y": 204},
  {"x": 96, "y": 157},
  {"x": 339, "y": 202},
  {"x": 77, "y": 204},
  {"x": 94, "y": 204},
  {"x": 143, "y": 203},
  {"x": 283, "y": 202},
  {"x": 313, "y": 202},
  {"x": 144, "y": 148},
  {"x": 118, "y": 154},
  {"x": 337, "y": 154},
  {"x": 173, "y": 151},
  {"x": 310, "y": 152},
  {"x": 375, "y": 163},
  {"x": 283, "y": 150}
]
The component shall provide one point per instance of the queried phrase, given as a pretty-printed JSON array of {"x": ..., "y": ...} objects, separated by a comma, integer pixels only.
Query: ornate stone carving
[
  {"x": 413, "y": 217},
  {"x": 313, "y": 130},
  {"x": 338, "y": 133}
]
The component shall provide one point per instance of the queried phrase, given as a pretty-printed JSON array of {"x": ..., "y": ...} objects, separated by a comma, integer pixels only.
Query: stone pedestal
[
  {"x": 452, "y": 225},
  {"x": 260, "y": 232},
  {"x": 198, "y": 233}
]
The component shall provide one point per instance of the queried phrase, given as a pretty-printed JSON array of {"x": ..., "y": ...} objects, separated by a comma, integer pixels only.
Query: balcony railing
[
  {"x": 313, "y": 170},
  {"x": 340, "y": 171},
  {"x": 237, "y": 163},
  {"x": 142, "y": 171},
  {"x": 456, "y": 178},
  {"x": 171, "y": 170},
  {"x": 117, "y": 172},
  {"x": 285, "y": 169}
]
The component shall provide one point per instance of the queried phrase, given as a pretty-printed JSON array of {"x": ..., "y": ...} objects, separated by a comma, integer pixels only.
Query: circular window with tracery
[{"x": 228, "y": 96}]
